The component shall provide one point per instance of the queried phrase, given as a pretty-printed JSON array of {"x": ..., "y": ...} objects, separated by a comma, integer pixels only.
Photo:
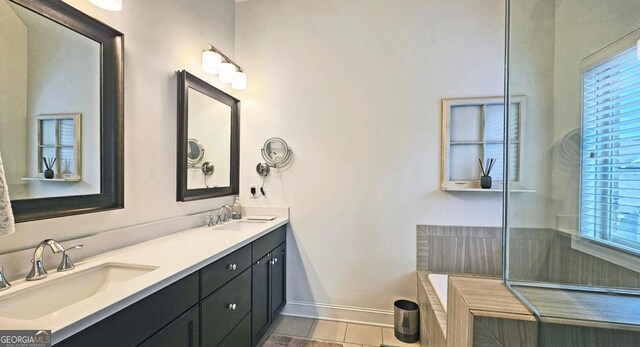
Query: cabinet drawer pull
[
  {"x": 232, "y": 307},
  {"x": 232, "y": 266}
]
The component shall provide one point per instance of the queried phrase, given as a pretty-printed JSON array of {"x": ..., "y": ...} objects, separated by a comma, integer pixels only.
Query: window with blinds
[{"x": 610, "y": 194}]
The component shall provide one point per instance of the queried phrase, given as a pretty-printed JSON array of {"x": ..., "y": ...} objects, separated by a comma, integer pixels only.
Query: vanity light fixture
[
  {"x": 638, "y": 49},
  {"x": 217, "y": 63},
  {"x": 109, "y": 5}
]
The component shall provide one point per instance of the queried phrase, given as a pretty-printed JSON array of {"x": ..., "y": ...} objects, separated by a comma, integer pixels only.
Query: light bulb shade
[
  {"x": 109, "y": 5},
  {"x": 239, "y": 81},
  {"x": 211, "y": 62},
  {"x": 227, "y": 72},
  {"x": 638, "y": 49}
]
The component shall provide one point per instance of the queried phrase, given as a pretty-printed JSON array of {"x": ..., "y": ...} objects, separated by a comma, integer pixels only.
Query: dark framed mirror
[
  {"x": 209, "y": 123},
  {"x": 70, "y": 116}
]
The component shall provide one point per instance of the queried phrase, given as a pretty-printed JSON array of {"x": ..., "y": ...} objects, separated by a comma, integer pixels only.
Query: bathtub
[{"x": 440, "y": 284}]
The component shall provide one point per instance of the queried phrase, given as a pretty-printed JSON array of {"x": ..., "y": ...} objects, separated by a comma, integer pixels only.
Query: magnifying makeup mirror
[{"x": 195, "y": 152}]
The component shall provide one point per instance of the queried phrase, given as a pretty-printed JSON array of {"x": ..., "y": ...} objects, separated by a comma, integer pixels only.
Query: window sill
[{"x": 605, "y": 253}]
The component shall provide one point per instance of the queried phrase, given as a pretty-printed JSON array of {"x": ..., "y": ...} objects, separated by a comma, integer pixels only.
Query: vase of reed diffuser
[
  {"x": 485, "y": 180},
  {"x": 48, "y": 163}
]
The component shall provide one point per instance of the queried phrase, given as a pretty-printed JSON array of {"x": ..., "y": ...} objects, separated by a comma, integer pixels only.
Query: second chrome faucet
[{"x": 221, "y": 217}]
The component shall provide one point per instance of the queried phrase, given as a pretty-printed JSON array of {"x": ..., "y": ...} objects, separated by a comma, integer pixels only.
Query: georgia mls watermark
[{"x": 25, "y": 338}]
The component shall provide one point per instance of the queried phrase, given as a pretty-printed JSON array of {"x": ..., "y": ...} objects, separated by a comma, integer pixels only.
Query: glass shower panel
[{"x": 578, "y": 64}]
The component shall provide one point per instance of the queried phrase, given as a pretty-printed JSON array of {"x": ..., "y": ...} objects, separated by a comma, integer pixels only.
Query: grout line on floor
[
  {"x": 311, "y": 327},
  {"x": 344, "y": 337}
]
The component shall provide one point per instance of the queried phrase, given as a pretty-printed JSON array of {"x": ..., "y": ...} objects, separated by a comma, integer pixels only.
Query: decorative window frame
[{"x": 448, "y": 184}]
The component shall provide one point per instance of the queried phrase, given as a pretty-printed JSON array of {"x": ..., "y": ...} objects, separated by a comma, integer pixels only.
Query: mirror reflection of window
[{"x": 210, "y": 124}]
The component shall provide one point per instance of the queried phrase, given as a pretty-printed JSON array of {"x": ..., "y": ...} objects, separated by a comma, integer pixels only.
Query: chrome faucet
[
  {"x": 220, "y": 218},
  {"x": 37, "y": 268},
  {"x": 4, "y": 284}
]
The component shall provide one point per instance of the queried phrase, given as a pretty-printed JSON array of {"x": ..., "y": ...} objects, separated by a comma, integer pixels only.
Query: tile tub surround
[
  {"x": 460, "y": 250},
  {"x": 175, "y": 256},
  {"x": 599, "y": 310},
  {"x": 537, "y": 254},
  {"x": 482, "y": 311},
  {"x": 433, "y": 318},
  {"x": 547, "y": 255}
]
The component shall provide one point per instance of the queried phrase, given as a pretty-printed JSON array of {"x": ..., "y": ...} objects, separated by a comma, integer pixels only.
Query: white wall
[
  {"x": 355, "y": 88},
  {"x": 583, "y": 27},
  {"x": 13, "y": 97},
  {"x": 161, "y": 37}
]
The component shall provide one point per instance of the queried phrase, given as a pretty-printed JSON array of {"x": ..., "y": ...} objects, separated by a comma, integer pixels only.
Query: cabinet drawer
[
  {"x": 184, "y": 331},
  {"x": 215, "y": 275},
  {"x": 268, "y": 242},
  {"x": 218, "y": 319}
]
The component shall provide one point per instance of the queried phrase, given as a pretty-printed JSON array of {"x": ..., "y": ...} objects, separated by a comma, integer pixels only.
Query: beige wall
[
  {"x": 161, "y": 37},
  {"x": 355, "y": 88}
]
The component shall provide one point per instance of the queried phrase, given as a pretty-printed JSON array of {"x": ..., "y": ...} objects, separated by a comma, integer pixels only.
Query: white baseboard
[{"x": 339, "y": 313}]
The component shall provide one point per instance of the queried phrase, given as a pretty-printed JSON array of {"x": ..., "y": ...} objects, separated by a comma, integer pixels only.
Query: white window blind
[{"x": 610, "y": 194}]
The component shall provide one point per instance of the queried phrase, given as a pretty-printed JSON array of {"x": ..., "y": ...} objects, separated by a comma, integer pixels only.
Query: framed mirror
[
  {"x": 61, "y": 123},
  {"x": 208, "y": 140}
]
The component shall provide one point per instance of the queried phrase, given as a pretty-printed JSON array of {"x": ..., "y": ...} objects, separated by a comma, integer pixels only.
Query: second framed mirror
[{"x": 208, "y": 140}]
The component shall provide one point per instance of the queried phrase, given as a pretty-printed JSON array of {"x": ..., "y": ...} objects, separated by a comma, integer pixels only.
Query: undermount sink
[
  {"x": 240, "y": 225},
  {"x": 53, "y": 295}
]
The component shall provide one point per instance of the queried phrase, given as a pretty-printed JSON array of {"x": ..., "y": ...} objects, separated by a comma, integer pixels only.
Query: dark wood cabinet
[
  {"x": 278, "y": 281},
  {"x": 260, "y": 297},
  {"x": 268, "y": 282},
  {"x": 230, "y": 302},
  {"x": 184, "y": 331}
]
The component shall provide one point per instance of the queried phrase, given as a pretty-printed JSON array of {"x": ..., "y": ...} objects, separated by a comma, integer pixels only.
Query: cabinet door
[
  {"x": 240, "y": 336},
  {"x": 278, "y": 281},
  {"x": 184, "y": 331},
  {"x": 260, "y": 298}
]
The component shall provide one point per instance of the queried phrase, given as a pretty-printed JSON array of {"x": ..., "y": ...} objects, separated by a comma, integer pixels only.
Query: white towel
[{"x": 7, "y": 225}]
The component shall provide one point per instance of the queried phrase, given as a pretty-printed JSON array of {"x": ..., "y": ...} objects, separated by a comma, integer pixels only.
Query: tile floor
[{"x": 348, "y": 334}]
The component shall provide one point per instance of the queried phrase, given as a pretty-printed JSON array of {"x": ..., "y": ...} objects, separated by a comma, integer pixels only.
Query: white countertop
[{"x": 175, "y": 256}]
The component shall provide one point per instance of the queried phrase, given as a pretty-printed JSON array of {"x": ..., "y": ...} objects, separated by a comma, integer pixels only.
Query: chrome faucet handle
[
  {"x": 4, "y": 284},
  {"x": 66, "y": 264}
]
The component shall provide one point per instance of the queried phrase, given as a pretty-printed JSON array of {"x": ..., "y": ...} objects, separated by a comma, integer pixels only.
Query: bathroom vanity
[{"x": 208, "y": 286}]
